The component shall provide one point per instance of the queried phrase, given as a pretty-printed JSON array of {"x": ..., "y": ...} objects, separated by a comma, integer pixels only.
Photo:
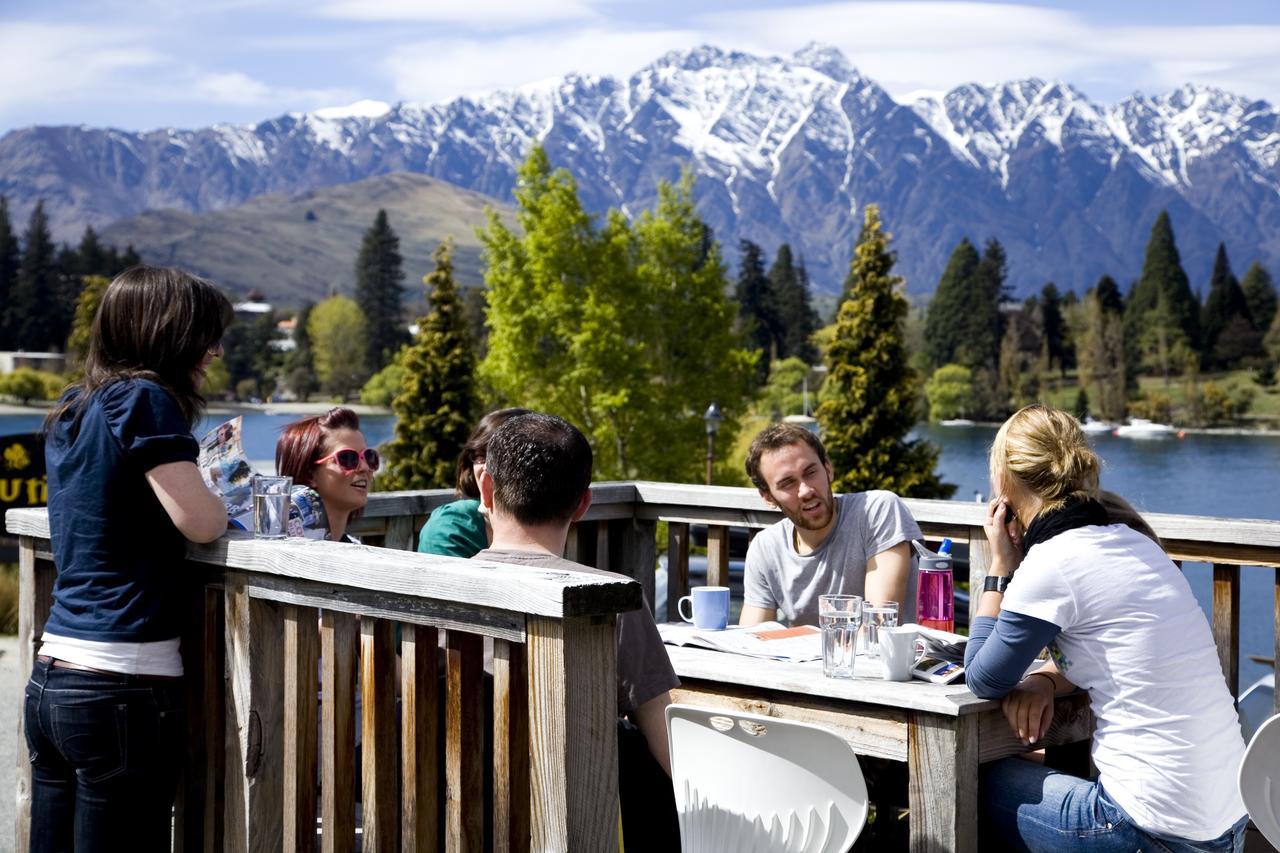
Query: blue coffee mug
[{"x": 710, "y": 605}]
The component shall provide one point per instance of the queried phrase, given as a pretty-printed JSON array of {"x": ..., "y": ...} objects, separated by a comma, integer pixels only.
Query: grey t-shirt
[
  {"x": 644, "y": 670},
  {"x": 867, "y": 523}
]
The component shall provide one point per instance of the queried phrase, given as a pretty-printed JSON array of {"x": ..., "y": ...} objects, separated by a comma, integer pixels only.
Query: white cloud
[
  {"x": 39, "y": 62},
  {"x": 437, "y": 70},
  {"x": 237, "y": 88},
  {"x": 507, "y": 13}
]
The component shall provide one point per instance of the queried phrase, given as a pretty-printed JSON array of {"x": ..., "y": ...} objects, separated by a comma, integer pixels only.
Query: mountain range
[{"x": 784, "y": 149}]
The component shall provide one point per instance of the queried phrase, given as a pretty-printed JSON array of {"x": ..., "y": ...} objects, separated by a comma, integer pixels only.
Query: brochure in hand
[
  {"x": 766, "y": 640},
  {"x": 227, "y": 472}
]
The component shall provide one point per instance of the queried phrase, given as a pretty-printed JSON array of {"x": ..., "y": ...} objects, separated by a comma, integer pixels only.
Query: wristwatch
[{"x": 995, "y": 583}]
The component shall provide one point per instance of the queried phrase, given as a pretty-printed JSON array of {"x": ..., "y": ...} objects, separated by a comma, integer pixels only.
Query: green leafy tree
[
  {"x": 30, "y": 309},
  {"x": 1259, "y": 295},
  {"x": 380, "y": 292},
  {"x": 946, "y": 327},
  {"x": 251, "y": 362},
  {"x": 783, "y": 394},
  {"x": 338, "y": 339},
  {"x": 24, "y": 385},
  {"x": 1271, "y": 342},
  {"x": 1162, "y": 315},
  {"x": 82, "y": 326},
  {"x": 299, "y": 363},
  {"x": 1023, "y": 359},
  {"x": 869, "y": 397},
  {"x": 436, "y": 403},
  {"x": 384, "y": 385},
  {"x": 626, "y": 332},
  {"x": 9, "y": 260},
  {"x": 1229, "y": 333},
  {"x": 1100, "y": 350},
  {"x": 950, "y": 392}
]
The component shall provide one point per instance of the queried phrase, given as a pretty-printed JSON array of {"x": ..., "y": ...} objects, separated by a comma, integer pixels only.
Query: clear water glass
[
  {"x": 840, "y": 618},
  {"x": 271, "y": 506},
  {"x": 877, "y": 615}
]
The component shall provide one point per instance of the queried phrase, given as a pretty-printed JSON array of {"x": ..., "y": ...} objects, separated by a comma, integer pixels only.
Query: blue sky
[{"x": 142, "y": 64}]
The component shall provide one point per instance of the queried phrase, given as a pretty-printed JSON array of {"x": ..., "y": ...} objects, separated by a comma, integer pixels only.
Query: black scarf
[{"x": 1076, "y": 512}]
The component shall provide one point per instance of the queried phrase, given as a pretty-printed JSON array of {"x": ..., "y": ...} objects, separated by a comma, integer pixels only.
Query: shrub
[
  {"x": 1154, "y": 406},
  {"x": 25, "y": 385},
  {"x": 383, "y": 386}
]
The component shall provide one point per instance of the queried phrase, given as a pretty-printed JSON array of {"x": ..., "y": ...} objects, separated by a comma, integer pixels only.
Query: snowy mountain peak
[
  {"x": 366, "y": 108},
  {"x": 827, "y": 59}
]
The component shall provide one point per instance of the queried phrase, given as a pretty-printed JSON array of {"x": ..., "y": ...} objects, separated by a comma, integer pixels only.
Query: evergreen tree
[
  {"x": 1056, "y": 342},
  {"x": 946, "y": 325},
  {"x": 1229, "y": 333},
  {"x": 338, "y": 338},
  {"x": 1021, "y": 367},
  {"x": 93, "y": 287},
  {"x": 1162, "y": 315},
  {"x": 796, "y": 319},
  {"x": 1259, "y": 295},
  {"x": 627, "y": 333},
  {"x": 299, "y": 364},
  {"x": 93, "y": 258},
  {"x": 379, "y": 292},
  {"x": 869, "y": 398},
  {"x": 67, "y": 282},
  {"x": 437, "y": 401},
  {"x": 9, "y": 260},
  {"x": 1100, "y": 350},
  {"x": 755, "y": 310},
  {"x": 30, "y": 309}
]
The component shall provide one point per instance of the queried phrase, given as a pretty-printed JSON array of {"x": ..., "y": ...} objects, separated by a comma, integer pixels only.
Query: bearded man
[{"x": 854, "y": 544}]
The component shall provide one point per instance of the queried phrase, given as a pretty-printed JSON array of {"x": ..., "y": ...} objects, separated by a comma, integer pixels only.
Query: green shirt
[{"x": 454, "y": 530}]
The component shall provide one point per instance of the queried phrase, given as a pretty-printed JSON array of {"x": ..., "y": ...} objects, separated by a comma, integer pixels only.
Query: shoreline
[{"x": 221, "y": 408}]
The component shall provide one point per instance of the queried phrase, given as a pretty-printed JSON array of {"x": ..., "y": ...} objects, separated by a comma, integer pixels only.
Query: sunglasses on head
[{"x": 349, "y": 460}]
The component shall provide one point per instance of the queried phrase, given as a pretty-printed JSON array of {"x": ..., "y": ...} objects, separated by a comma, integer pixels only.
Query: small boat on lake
[
  {"x": 956, "y": 422},
  {"x": 1093, "y": 425},
  {"x": 1143, "y": 428}
]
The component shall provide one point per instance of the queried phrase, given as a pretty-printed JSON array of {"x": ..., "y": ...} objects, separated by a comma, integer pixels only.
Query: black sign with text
[{"x": 22, "y": 477}]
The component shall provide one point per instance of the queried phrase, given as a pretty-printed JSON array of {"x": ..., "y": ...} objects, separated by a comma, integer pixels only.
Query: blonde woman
[{"x": 1120, "y": 621}]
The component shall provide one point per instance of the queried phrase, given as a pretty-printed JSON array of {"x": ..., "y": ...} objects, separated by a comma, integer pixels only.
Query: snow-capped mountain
[{"x": 785, "y": 149}]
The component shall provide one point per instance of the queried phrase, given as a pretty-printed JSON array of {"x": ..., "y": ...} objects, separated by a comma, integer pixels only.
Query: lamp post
[{"x": 712, "y": 418}]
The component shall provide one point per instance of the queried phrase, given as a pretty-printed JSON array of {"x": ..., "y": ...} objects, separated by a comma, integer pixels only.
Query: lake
[{"x": 1234, "y": 476}]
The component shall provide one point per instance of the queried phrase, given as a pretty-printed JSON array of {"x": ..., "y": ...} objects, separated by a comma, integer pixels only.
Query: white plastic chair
[
  {"x": 1260, "y": 780},
  {"x": 748, "y": 783}
]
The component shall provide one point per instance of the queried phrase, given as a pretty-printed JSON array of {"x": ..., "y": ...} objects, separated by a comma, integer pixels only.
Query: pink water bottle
[{"x": 935, "y": 606}]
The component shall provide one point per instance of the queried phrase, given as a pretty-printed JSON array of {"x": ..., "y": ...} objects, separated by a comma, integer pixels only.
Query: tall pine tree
[
  {"x": 9, "y": 260},
  {"x": 946, "y": 324},
  {"x": 870, "y": 396},
  {"x": 755, "y": 309},
  {"x": 984, "y": 327},
  {"x": 1259, "y": 295},
  {"x": 437, "y": 401},
  {"x": 380, "y": 291},
  {"x": 30, "y": 308},
  {"x": 1229, "y": 332},
  {"x": 1162, "y": 315},
  {"x": 1100, "y": 350},
  {"x": 1057, "y": 343},
  {"x": 796, "y": 319}
]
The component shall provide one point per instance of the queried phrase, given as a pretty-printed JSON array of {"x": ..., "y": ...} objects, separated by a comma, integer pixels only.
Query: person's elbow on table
[{"x": 752, "y": 615}]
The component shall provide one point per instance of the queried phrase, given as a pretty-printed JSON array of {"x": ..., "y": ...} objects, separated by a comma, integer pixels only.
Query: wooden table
[{"x": 942, "y": 731}]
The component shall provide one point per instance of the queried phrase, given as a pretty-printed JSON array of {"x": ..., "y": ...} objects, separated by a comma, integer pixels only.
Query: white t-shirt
[
  {"x": 776, "y": 577},
  {"x": 1167, "y": 743}
]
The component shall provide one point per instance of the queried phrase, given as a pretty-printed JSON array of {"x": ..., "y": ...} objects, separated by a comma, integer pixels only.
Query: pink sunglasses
[{"x": 349, "y": 460}]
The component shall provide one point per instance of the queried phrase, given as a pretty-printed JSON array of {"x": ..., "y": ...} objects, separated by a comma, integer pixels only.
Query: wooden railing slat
[
  {"x": 979, "y": 563},
  {"x": 633, "y": 551},
  {"x": 677, "y": 567},
  {"x": 717, "y": 555},
  {"x": 198, "y": 807},
  {"x": 572, "y": 707},
  {"x": 337, "y": 731},
  {"x": 214, "y": 713},
  {"x": 301, "y": 692},
  {"x": 379, "y": 792},
  {"x": 510, "y": 748},
  {"x": 35, "y": 599},
  {"x": 255, "y": 724},
  {"x": 419, "y": 750},
  {"x": 1226, "y": 622},
  {"x": 464, "y": 743}
]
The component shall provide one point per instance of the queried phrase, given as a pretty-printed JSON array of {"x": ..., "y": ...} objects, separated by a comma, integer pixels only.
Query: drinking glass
[
  {"x": 840, "y": 618},
  {"x": 877, "y": 615},
  {"x": 271, "y": 506}
]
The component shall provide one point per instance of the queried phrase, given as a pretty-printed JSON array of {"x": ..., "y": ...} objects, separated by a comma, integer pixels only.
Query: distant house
[
  {"x": 253, "y": 306},
  {"x": 285, "y": 339},
  {"x": 54, "y": 362}
]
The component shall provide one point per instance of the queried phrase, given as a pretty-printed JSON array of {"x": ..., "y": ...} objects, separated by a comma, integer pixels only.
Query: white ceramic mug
[{"x": 898, "y": 650}]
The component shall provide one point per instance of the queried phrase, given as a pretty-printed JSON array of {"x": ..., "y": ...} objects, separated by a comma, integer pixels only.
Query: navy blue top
[
  {"x": 998, "y": 653},
  {"x": 119, "y": 556}
]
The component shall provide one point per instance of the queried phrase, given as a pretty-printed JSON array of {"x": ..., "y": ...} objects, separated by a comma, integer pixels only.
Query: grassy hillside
[{"x": 299, "y": 247}]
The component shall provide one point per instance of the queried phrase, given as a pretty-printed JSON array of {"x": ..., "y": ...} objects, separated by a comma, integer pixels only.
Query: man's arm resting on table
[
  {"x": 887, "y": 574},
  {"x": 752, "y": 615},
  {"x": 651, "y": 719}
]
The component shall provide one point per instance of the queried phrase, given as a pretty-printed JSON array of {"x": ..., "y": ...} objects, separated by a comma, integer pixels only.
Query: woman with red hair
[{"x": 328, "y": 454}]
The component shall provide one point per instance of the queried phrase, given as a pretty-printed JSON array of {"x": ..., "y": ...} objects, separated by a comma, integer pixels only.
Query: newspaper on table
[
  {"x": 227, "y": 472},
  {"x": 766, "y": 640}
]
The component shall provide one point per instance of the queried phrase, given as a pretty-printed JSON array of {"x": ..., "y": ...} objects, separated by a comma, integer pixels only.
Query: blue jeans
[
  {"x": 1027, "y": 806},
  {"x": 106, "y": 751}
]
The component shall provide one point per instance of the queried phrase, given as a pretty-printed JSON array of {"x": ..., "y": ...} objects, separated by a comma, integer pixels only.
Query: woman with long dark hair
[
  {"x": 328, "y": 454},
  {"x": 104, "y": 708},
  {"x": 1120, "y": 621},
  {"x": 459, "y": 528}
]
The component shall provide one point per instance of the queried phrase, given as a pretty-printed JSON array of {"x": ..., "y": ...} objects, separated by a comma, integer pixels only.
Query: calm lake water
[{"x": 1234, "y": 476}]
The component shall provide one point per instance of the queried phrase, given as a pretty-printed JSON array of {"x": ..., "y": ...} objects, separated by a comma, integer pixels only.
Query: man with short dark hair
[
  {"x": 855, "y": 543},
  {"x": 535, "y": 483}
]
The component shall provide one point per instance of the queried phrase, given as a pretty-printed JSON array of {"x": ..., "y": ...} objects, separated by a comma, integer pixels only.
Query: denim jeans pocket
[
  {"x": 31, "y": 721},
  {"x": 92, "y": 738}
]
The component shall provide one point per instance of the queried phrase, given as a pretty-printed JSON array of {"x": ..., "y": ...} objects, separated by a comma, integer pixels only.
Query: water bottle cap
[{"x": 945, "y": 547}]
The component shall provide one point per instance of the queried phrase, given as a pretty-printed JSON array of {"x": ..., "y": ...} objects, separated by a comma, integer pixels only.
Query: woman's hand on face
[
  {"x": 1029, "y": 708},
  {"x": 1005, "y": 538}
]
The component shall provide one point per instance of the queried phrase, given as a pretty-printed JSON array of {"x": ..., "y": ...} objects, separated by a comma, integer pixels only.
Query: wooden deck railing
[{"x": 285, "y": 621}]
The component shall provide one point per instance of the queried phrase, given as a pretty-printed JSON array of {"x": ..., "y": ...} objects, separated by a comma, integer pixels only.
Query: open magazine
[
  {"x": 766, "y": 640},
  {"x": 227, "y": 472},
  {"x": 942, "y": 658}
]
